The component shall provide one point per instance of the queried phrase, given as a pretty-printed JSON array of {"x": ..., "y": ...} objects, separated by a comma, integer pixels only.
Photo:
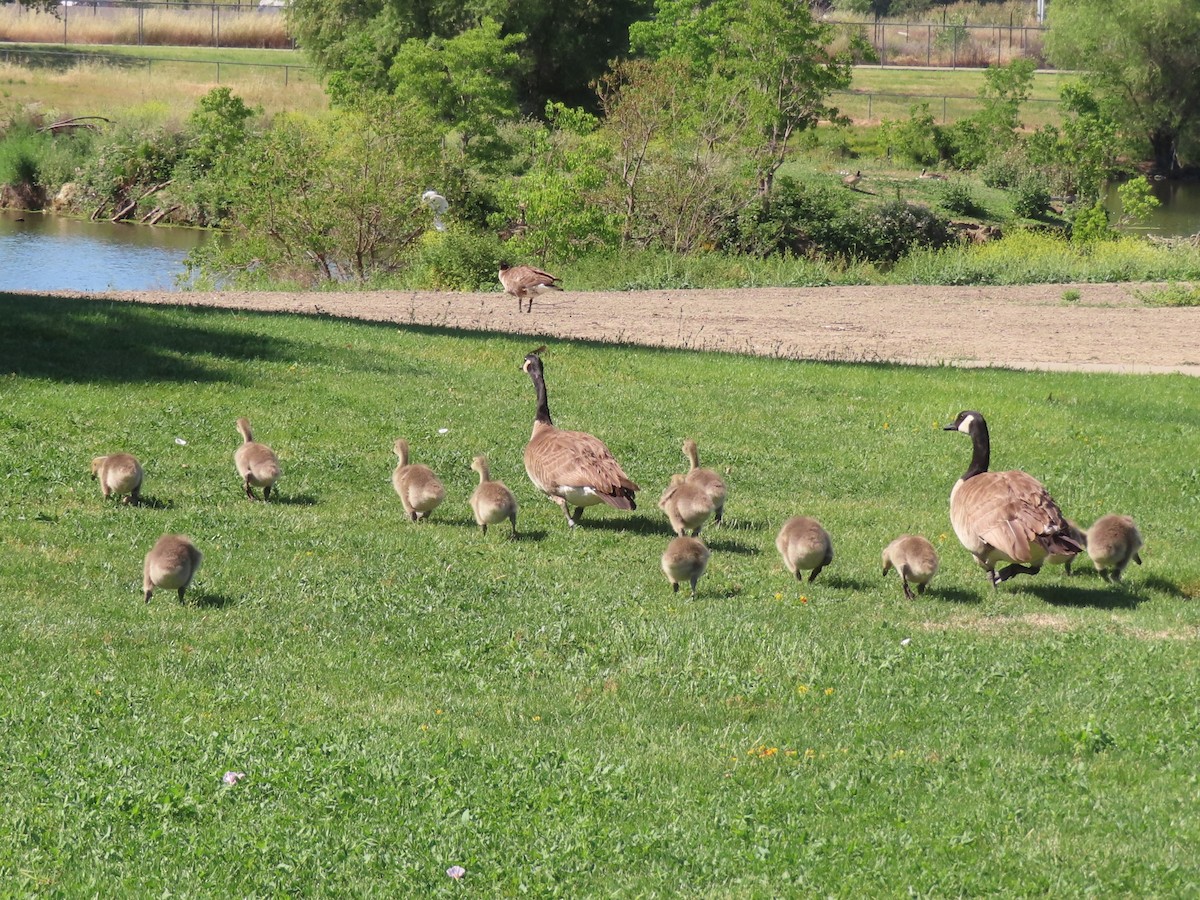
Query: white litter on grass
[
  {"x": 181, "y": 442},
  {"x": 906, "y": 642},
  {"x": 232, "y": 778},
  {"x": 456, "y": 872},
  {"x": 443, "y": 430}
]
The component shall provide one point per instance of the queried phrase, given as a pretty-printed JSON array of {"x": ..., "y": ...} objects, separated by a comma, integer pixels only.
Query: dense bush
[
  {"x": 891, "y": 230},
  {"x": 1031, "y": 196},
  {"x": 798, "y": 218},
  {"x": 457, "y": 259},
  {"x": 957, "y": 197}
]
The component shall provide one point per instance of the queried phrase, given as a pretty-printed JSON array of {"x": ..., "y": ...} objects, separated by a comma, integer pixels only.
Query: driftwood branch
[
  {"x": 73, "y": 122},
  {"x": 130, "y": 205}
]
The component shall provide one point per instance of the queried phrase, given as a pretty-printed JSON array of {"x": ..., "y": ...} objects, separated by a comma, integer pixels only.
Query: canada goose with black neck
[
  {"x": 1004, "y": 516},
  {"x": 572, "y": 468}
]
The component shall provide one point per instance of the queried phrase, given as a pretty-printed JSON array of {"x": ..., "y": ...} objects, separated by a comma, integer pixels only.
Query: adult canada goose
[
  {"x": 526, "y": 282},
  {"x": 571, "y": 467},
  {"x": 852, "y": 181},
  {"x": 1112, "y": 542},
  {"x": 710, "y": 481},
  {"x": 937, "y": 176},
  {"x": 256, "y": 463},
  {"x": 684, "y": 560},
  {"x": 914, "y": 558},
  {"x": 170, "y": 565},
  {"x": 492, "y": 502},
  {"x": 119, "y": 473},
  {"x": 804, "y": 544},
  {"x": 686, "y": 505},
  {"x": 419, "y": 489},
  {"x": 1004, "y": 515}
]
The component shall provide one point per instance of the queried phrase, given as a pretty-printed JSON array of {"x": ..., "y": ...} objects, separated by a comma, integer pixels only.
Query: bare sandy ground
[{"x": 1108, "y": 329}]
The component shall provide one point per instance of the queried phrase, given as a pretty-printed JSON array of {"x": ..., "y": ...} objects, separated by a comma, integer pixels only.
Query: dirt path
[{"x": 1107, "y": 329}]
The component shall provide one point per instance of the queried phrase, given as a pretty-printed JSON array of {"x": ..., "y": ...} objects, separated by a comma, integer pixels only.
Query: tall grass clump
[
  {"x": 1034, "y": 257},
  {"x": 249, "y": 27}
]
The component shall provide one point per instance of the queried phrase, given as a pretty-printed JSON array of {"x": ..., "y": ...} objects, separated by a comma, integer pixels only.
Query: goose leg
[
  {"x": 907, "y": 590},
  {"x": 815, "y": 573},
  {"x": 1009, "y": 571},
  {"x": 266, "y": 493},
  {"x": 579, "y": 512},
  {"x": 249, "y": 490},
  {"x": 562, "y": 504}
]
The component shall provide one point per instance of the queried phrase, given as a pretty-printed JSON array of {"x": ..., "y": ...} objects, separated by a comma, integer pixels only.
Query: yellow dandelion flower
[
  {"x": 885, "y": 426},
  {"x": 810, "y": 753},
  {"x": 828, "y": 692},
  {"x": 537, "y": 718},
  {"x": 437, "y": 712},
  {"x": 803, "y": 689},
  {"x": 779, "y": 596}
]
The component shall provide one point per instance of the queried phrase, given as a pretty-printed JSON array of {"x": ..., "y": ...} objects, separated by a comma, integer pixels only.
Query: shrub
[
  {"x": 917, "y": 139},
  {"x": 458, "y": 259},
  {"x": 798, "y": 218},
  {"x": 1031, "y": 197},
  {"x": 957, "y": 197},
  {"x": 1090, "y": 224},
  {"x": 891, "y": 230}
]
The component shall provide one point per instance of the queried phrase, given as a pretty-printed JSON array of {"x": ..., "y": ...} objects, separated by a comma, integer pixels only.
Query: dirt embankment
[{"x": 1107, "y": 329}]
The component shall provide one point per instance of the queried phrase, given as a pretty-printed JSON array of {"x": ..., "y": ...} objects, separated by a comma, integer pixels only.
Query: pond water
[
  {"x": 40, "y": 252},
  {"x": 1178, "y": 214}
]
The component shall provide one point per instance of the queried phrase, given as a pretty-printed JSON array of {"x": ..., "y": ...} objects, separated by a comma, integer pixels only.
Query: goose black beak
[{"x": 953, "y": 426}]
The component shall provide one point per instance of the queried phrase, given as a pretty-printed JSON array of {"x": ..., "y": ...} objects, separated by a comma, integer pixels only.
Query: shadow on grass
[
  {"x": 292, "y": 500},
  {"x": 150, "y": 502},
  {"x": 208, "y": 601},
  {"x": 71, "y": 339},
  {"x": 1102, "y": 596},
  {"x": 725, "y": 545},
  {"x": 630, "y": 525},
  {"x": 1158, "y": 583},
  {"x": 950, "y": 595}
]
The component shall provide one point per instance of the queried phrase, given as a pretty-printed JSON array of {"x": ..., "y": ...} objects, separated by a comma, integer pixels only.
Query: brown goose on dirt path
[
  {"x": 1002, "y": 516},
  {"x": 526, "y": 282},
  {"x": 571, "y": 467}
]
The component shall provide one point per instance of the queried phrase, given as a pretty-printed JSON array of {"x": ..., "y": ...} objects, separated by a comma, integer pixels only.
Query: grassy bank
[{"x": 545, "y": 712}]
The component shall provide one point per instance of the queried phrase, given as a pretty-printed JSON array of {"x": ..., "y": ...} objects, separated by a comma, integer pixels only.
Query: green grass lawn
[{"x": 545, "y": 712}]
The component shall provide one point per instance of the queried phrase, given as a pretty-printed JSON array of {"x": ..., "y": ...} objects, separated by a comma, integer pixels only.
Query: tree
[
  {"x": 1142, "y": 59},
  {"x": 340, "y": 196},
  {"x": 355, "y": 43},
  {"x": 464, "y": 82},
  {"x": 767, "y": 59}
]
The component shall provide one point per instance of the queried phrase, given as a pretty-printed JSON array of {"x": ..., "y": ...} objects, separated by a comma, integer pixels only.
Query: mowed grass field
[{"x": 544, "y": 712}]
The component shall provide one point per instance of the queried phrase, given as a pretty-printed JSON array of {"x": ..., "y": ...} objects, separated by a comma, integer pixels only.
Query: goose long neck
[
  {"x": 981, "y": 450},
  {"x": 543, "y": 406},
  {"x": 693, "y": 455},
  {"x": 485, "y": 474}
]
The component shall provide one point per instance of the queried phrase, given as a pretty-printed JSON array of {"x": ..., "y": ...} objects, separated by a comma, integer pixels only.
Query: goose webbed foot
[{"x": 1010, "y": 571}]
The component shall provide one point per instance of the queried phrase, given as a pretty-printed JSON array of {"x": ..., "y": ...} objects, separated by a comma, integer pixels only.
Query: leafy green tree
[
  {"x": 1142, "y": 59},
  {"x": 464, "y": 83},
  {"x": 339, "y": 198},
  {"x": 205, "y": 179},
  {"x": 355, "y": 43},
  {"x": 993, "y": 129},
  {"x": 767, "y": 60}
]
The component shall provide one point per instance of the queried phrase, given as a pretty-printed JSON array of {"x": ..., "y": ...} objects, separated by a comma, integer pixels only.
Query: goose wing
[
  {"x": 1009, "y": 511},
  {"x": 556, "y": 459},
  {"x": 523, "y": 278}
]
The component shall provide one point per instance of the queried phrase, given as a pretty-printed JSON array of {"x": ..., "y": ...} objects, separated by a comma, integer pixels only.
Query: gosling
[
  {"x": 804, "y": 544},
  {"x": 492, "y": 502},
  {"x": 914, "y": 558},
  {"x": 712, "y": 483},
  {"x": 119, "y": 473},
  {"x": 171, "y": 564},
  {"x": 687, "y": 505},
  {"x": 685, "y": 559},
  {"x": 256, "y": 463},
  {"x": 1112, "y": 542},
  {"x": 419, "y": 489}
]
